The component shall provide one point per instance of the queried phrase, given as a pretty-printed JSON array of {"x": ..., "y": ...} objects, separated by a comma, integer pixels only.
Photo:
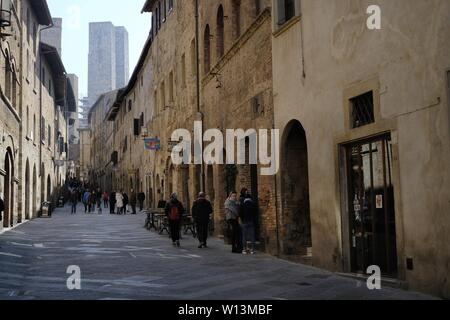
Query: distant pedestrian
[
  {"x": 105, "y": 199},
  {"x": 232, "y": 216},
  {"x": 126, "y": 202},
  {"x": 141, "y": 200},
  {"x": 92, "y": 201},
  {"x": 86, "y": 201},
  {"x": 74, "y": 201},
  {"x": 201, "y": 212},
  {"x": 133, "y": 201},
  {"x": 119, "y": 202},
  {"x": 112, "y": 203},
  {"x": 248, "y": 215},
  {"x": 174, "y": 212}
]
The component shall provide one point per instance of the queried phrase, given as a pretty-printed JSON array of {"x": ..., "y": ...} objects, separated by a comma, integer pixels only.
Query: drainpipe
[
  {"x": 201, "y": 115},
  {"x": 40, "y": 99}
]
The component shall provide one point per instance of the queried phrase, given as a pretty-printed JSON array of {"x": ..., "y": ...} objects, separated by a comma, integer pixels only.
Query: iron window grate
[{"x": 362, "y": 110}]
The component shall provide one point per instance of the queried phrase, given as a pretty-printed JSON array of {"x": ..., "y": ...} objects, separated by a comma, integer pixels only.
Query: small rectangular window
[
  {"x": 362, "y": 110},
  {"x": 286, "y": 11}
]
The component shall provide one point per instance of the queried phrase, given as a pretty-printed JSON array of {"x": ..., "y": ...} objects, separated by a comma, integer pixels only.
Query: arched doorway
[
  {"x": 27, "y": 191},
  {"x": 42, "y": 183},
  {"x": 9, "y": 190},
  {"x": 33, "y": 211},
  {"x": 49, "y": 189},
  {"x": 295, "y": 192}
]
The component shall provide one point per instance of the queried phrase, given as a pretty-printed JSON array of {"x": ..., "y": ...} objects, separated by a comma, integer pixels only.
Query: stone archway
[
  {"x": 49, "y": 189},
  {"x": 8, "y": 189},
  {"x": 296, "y": 219}
]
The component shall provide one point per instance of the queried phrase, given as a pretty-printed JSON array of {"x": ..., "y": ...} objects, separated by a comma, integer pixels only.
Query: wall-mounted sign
[
  {"x": 379, "y": 201},
  {"x": 152, "y": 144}
]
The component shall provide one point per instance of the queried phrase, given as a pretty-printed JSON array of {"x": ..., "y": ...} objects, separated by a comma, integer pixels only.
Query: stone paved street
[{"x": 119, "y": 259}]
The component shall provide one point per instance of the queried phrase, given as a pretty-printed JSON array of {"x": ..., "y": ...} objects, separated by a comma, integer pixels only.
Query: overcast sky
[{"x": 76, "y": 16}]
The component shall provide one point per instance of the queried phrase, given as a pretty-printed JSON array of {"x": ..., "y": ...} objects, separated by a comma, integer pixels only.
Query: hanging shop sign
[{"x": 152, "y": 144}]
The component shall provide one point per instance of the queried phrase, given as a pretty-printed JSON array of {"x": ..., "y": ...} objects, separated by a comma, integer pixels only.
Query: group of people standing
[
  {"x": 241, "y": 215},
  {"x": 117, "y": 202}
]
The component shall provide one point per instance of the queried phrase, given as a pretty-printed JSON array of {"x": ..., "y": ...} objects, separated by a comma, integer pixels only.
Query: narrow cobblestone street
[{"x": 119, "y": 259}]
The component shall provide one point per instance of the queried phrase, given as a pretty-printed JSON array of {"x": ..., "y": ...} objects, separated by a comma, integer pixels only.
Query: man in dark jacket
[
  {"x": 141, "y": 199},
  {"x": 112, "y": 202},
  {"x": 248, "y": 216},
  {"x": 74, "y": 201},
  {"x": 174, "y": 212},
  {"x": 201, "y": 212}
]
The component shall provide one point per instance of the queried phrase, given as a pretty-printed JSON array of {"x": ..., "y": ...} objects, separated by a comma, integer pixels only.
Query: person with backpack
[
  {"x": 201, "y": 212},
  {"x": 174, "y": 212}
]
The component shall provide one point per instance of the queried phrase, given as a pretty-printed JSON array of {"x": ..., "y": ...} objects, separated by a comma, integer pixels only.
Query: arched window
[
  {"x": 207, "y": 45},
  {"x": 28, "y": 120},
  {"x": 236, "y": 10},
  {"x": 220, "y": 32},
  {"x": 33, "y": 134},
  {"x": 256, "y": 7}
]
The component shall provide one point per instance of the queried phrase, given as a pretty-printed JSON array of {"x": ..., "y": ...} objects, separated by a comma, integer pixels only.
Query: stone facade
[
  {"x": 29, "y": 169},
  {"x": 322, "y": 61},
  {"x": 363, "y": 116}
]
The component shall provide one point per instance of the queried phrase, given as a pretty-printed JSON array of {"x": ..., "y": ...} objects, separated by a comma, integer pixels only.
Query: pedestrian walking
[
  {"x": 133, "y": 201},
  {"x": 105, "y": 199},
  {"x": 174, "y": 212},
  {"x": 74, "y": 201},
  {"x": 201, "y": 212},
  {"x": 232, "y": 216},
  {"x": 126, "y": 202},
  {"x": 86, "y": 201},
  {"x": 119, "y": 202},
  {"x": 92, "y": 201},
  {"x": 248, "y": 215},
  {"x": 141, "y": 200},
  {"x": 112, "y": 202}
]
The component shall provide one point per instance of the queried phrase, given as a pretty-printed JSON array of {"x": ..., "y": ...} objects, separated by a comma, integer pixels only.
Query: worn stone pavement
[{"x": 119, "y": 259}]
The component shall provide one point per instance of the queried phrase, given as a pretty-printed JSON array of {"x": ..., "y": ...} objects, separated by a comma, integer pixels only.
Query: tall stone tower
[
  {"x": 108, "y": 59},
  {"x": 122, "y": 57}
]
